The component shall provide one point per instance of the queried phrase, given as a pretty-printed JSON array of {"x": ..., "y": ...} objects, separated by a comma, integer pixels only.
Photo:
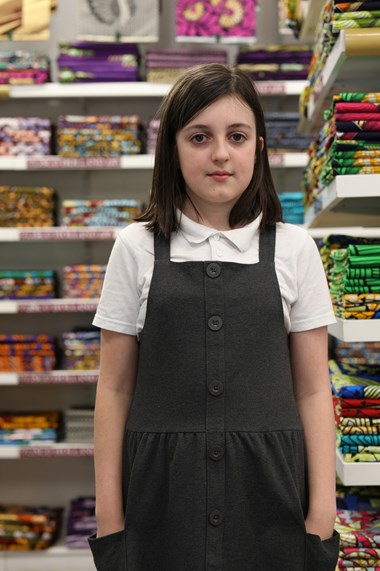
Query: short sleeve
[
  {"x": 312, "y": 307},
  {"x": 120, "y": 300}
]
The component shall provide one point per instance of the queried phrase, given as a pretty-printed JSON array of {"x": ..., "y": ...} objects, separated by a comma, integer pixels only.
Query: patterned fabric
[
  {"x": 275, "y": 62},
  {"x": 219, "y": 20},
  {"x": 368, "y": 5},
  {"x": 98, "y": 135},
  {"x": 97, "y": 61},
  {"x": 22, "y": 352},
  {"x": 27, "y": 284},
  {"x": 166, "y": 65},
  {"x": 23, "y": 68},
  {"x": 27, "y": 206},
  {"x": 127, "y": 21},
  {"x": 25, "y": 528},
  {"x": 358, "y": 528},
  {"x": 83, "y": 281},
  {"x": 331, "y": 154}
]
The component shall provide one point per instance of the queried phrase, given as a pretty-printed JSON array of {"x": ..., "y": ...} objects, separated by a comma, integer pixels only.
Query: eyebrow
[{"x": 232, "y": 126}]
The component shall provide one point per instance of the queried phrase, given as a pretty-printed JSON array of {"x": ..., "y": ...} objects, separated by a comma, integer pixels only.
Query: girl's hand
[{"x": 322, "y": 525}]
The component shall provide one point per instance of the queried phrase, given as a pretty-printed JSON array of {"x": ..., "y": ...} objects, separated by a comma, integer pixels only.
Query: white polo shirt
[{"x": 301, "y": 278}]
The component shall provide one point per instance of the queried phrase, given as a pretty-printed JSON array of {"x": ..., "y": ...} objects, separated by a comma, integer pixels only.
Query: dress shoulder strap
[
  {"x": 161, "y": 247},
  {"x": 267, "y": 244}
]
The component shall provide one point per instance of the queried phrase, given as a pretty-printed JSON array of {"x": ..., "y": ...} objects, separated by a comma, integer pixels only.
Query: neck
[{"x": 217, "y": 216}]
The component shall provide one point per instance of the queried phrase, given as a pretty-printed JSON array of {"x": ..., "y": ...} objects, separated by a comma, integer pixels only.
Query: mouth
[{"x": 220, "y": 175}]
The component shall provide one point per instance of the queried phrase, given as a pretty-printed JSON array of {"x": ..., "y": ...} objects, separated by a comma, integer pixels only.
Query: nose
[{"x": 220, "y": 152}]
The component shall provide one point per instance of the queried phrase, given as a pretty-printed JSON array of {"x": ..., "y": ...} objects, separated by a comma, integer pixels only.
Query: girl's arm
[
  {"x": 117, "y": 378},
  {"x": 309, "y": 359}
]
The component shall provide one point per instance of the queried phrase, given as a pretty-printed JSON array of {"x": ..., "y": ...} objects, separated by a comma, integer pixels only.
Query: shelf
[
  {"x": 58, "y": 233},
  {"x": 363, "y": 330},
  {"x": 48, "y": 306},
  {"x": 137, "y": 162},
  {"x": 54, "y": 162},
  {"x": 131, "y": 89},
  {"x": 353, "y": 198},
  {"x": 311, "y": 19},
  {"x": 52, "y": 377},
  {"x": 294, "y": 87},
  {"x": 288, "y": 160},
  {"x": 358, "y": 231},
  {"x": 357, "y": 473},
  {"x": 88, "y": 90},
  {"x": 9, "y": 452},
  {"x": 58, "y": 557},
  {"x": 352, "y": 65}
]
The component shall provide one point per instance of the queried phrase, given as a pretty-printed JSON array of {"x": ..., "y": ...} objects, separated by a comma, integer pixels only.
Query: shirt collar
[{"x": 196, "y": 233}]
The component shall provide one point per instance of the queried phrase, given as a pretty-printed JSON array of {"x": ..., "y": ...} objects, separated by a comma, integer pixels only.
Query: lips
[{"x": 220, "y": 175}]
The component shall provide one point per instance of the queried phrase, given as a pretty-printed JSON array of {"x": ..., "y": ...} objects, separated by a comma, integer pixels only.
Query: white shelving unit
[
  {"x": 357, "y": 473},
  {"x": 57, "y": 558},
  {"x": 64, "y": 377},
  {"x": 353, "y": 198},
  {"x": 126, "y": 90},
  {"x": 48, "y": 306},
  {"x": 365, "y": 330},
  {"x": 350, "y": 204},
  {"x": 57, "y": 450}
]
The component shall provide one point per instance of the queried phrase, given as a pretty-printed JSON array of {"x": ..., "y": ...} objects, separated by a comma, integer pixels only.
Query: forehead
[{"x": 225, "y": 109}]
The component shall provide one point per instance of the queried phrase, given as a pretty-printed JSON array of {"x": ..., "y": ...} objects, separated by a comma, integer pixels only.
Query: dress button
[
  {"x": 215, "y": 517},
  {"x": 216, "y": 237},
  {"x": 215, "y": 323},
  {"x": 213, "y": 270},
  {"x": 216, "y": 388},
  {"x": 216, "y": 452}
]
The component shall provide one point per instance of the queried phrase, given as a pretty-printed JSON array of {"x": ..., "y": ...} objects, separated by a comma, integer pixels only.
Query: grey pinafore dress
[{"x": 214, "y": 465}]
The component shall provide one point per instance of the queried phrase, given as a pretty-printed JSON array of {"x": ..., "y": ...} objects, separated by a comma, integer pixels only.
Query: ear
[{"x": 261, "y": 143}]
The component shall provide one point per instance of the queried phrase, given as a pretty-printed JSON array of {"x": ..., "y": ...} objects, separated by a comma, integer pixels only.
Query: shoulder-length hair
[{"x": 195, "y": 90}]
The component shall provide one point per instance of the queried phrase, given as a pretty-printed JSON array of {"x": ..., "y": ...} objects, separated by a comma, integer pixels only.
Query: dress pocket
[
  {"x": 109, "y": 551},
  {"x": 321, "y": 555}
]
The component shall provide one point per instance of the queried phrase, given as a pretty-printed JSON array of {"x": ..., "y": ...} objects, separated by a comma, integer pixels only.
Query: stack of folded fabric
[
  {"x": 21, "y": 352},
  {"x": 354, "y": 281},
  {"x": 151, "y": 135},
  {"x": 282, "y": 133},
  {"x": 79, "y": 425},
  {"x": 97, "y": 61},
  {"x": 292, "y": 207},
  {"x": 275, "y": 62},
  {"x": 98, "y": 135},
  {"x": 81, "y": 522},
  {"x": 336, "y": 16},
  {"x": 25, "y": 136},
  {"x": 24, "y": 528},
  {"x": 165, "y": 65},
  {"x": 26, "y": 206},
  {"x": 23, "y": 68},
  {"x": 357, "y": 521},
  {"x": 356, "y": 390},
  {"x": 81, "y": 350},
  {"x": 348, "y": 143},
  {"x": 29, "y": 428},
  {"x": 357, "y": 353},
  {"x": 27, "y": 284},
  {"x": 83, "y": 280},
  {"x": 348, "y": 265},
  {"x": 112, "y": 212},
  {"x": 359, "y": 539}
]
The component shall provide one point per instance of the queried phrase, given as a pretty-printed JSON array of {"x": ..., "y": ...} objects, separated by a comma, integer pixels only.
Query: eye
[
  {"x": 198, "y": 138},
  {"x": 238, "y": 137}
]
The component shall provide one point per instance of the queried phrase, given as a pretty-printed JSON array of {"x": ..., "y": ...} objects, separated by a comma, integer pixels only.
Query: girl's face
[{"x": 216, "y": 152}]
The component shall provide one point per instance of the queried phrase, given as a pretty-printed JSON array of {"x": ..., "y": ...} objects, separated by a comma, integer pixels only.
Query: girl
[{"x": 214, "y": 431}]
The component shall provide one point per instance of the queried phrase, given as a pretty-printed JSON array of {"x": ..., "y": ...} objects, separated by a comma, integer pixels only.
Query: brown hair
[{"x": 195, "y": 90}]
